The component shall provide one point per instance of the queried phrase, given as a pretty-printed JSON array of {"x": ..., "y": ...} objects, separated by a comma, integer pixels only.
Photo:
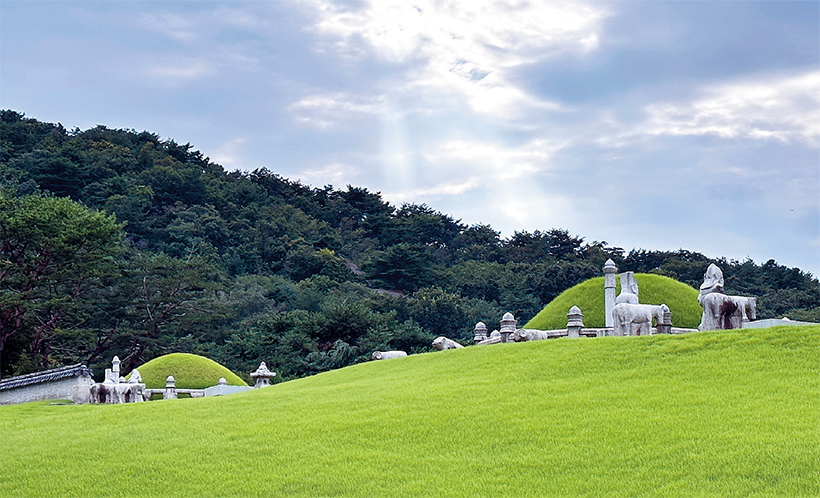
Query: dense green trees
[
  {"x": 254, "y": 267},
  {"x": 52, "y": 251}
]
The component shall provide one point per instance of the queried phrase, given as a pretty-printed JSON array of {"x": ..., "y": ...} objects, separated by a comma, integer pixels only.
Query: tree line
[{"x": 120, "y": 242}]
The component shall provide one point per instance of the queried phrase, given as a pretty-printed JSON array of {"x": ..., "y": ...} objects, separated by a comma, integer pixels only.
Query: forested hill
[{"x": 156, "y": 249}]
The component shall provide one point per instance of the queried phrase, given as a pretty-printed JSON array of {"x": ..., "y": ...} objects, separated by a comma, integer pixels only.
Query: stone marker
[
  {"x": 479, "y": 332},
  {"x": 609, "y": 290},
  {"x": 508, "y": 323},
  {"x": 575, "y": 322}
]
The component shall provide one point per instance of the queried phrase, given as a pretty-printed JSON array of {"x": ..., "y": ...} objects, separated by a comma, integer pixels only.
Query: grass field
[
  {"x": 728, "y": 413},
  {"x": 589, "y": 296}
]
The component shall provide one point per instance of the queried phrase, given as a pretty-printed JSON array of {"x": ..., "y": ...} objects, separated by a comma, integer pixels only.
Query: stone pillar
[
  {"x": 508, "y": 323},
  {"x": 575, "y": 322},
  {"x": 170, "y": 388},
  {"x": 479, "y": 332},
  {"x": 115, "y": 370},
  {"x": 665, "y": 325},
  {"x": 609, "y": 291}
]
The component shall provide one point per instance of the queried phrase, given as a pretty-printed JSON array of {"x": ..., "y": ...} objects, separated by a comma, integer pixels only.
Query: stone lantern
[
  {"x": 262, "y": 376},
  {"x": 508, "y": 323}
]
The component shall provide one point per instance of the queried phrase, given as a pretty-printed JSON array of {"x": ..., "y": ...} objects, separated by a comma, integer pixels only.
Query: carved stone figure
[
  {"x": 441, "y": 343},
  {"x": 387, "y": 355},
  {"x": 712, "y": 282},
  {"x": 135, "y": 377},
  {"x": 629, "y": 289},
  {"x": 523, "y": 335},
  {"x": 722, "y": 312},
  {"x": 635, "y": 319}
]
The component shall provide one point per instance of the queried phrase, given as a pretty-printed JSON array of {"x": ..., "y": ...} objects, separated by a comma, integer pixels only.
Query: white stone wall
[{"x": 57, "y": 389}]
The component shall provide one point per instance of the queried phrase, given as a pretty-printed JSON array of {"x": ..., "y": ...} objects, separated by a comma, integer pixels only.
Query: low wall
[{"x": 71, "y": 383}]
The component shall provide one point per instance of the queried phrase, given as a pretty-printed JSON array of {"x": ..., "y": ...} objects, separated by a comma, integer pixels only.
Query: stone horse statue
[
  {"x": 722, "y": 312},
  {"x": 636, "y": 319}
]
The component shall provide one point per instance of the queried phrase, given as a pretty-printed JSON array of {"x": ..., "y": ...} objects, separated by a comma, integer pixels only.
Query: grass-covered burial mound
[
  {"x": 189, "y": 370},
  {"x": 589, "y": 296}
]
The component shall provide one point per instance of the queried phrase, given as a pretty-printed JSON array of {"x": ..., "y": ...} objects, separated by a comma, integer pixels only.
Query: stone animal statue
[
  {"x": 441, "y": 343},
  {"x": 523, "y": 335},
  {"x": 722, "y": 312},
  {"x": 635, "y": 319},
  {"x": 387, "y": 355},
  {"x": 100, "y": 393}
]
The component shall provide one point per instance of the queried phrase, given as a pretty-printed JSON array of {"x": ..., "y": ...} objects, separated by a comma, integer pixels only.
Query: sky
[{"x": 655, "y": 125}]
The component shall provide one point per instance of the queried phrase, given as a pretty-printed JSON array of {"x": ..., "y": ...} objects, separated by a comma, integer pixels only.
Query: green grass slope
[
  {"x": 589, "y": 296},
  {"x": 728, "y": 413},
  {"x": 190, "y": 371}
]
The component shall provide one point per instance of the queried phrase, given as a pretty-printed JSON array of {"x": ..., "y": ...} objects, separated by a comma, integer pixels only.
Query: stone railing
[{"x": 171, "y": 391}]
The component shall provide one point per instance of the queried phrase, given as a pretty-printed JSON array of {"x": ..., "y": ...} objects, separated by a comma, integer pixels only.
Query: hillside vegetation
[
  {"x": 682, "y": 300},
  {"x": 163, "y": 251},
  {"x": 729, "y": 413}
]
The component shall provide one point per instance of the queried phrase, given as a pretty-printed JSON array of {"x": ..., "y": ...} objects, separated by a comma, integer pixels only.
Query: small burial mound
[
  {"x": 589, "y": 296},
  {"x": 189, "y": 370}
]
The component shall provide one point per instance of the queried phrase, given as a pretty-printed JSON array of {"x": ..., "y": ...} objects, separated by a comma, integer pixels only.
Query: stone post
[
  {"x": 609, "y": 291},
  {"x": 115, "y": 370},
  {"x": 479, "y": 332},
  {"x": 665, "y": 325},
  {"x": 508, "y": 323},
  {"x": 170, "y": 388},
  {"x": 575, "y": 322}
]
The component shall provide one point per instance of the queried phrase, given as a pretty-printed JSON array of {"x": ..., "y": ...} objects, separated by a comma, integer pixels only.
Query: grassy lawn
[
  {"x": 589, "y": 296},
  {"x": 729, "y": 413}
]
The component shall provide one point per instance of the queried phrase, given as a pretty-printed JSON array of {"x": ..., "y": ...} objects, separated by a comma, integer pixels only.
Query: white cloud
[
  {"x": 332, "y": 174},
  {"x": 325, "y": 110},
  {"x": 463, "y": 48},
  {"x": 176, "y": 27},
  {"x": 229, "y": 154},
  {"x": 786, "y": 109},
  {"x": 495, "y": 161},
  {"x": 174, "y": 72}
]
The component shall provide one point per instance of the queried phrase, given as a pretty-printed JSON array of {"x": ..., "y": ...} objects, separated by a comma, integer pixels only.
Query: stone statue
[
  {"x": 629, "y": 289},
  {"x": 635, "y": 319},
  {"x": 135, "y": 377},
  {"x": 441, "y": 343},
  {"x": 712, "y": 282},
  {"x": 722, "y": 312},
  {"x": 523, "y": 335},
  {"x": 387, "y": 355}
]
